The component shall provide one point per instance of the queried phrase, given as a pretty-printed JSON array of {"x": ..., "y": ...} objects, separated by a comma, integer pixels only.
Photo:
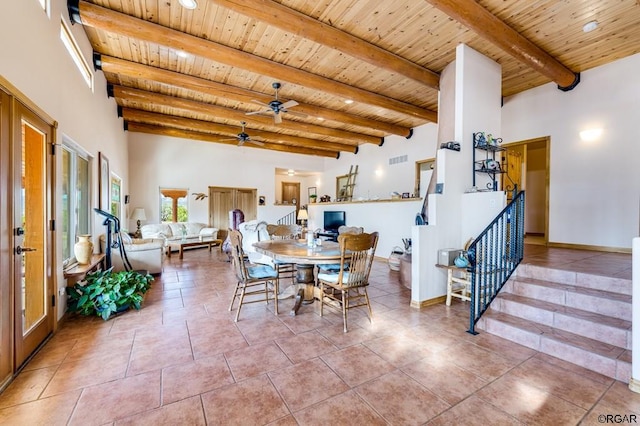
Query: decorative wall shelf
[{"x": 486, "y": 162}]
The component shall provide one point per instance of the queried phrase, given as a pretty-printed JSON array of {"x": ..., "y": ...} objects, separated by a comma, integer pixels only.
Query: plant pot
[{"x": 83, "y": 249}]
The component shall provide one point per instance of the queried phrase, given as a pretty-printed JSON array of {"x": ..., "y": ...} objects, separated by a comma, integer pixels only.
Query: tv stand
[{"x": 329, "y": 235}]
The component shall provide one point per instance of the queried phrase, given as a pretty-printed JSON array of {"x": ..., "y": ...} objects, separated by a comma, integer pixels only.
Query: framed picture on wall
[{"x": 104, "y": 180}]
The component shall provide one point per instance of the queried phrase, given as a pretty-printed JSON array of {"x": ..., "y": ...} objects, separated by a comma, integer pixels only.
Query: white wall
[
  {"x": 594, "y": 186},
  {"x": 35, "y": 61},
  {"x": 158, "y": 161}
]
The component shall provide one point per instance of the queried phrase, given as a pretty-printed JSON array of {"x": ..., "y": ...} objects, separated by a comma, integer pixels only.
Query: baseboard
[
  {"x": 589, "y": 247},
  {"x": 429, "y": 302}
]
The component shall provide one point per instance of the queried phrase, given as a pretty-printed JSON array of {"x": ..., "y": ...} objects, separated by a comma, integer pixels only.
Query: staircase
[{"x": 580, "y": 318}]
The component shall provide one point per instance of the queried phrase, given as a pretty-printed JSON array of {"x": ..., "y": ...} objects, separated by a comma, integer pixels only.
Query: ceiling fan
[
  {"x": 243, "y": 137},
  {"x": 276, "y": 107}
]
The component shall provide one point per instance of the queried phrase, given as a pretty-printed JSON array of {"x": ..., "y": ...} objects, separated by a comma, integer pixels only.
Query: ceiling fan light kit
[{"x": 276, "y": 107}]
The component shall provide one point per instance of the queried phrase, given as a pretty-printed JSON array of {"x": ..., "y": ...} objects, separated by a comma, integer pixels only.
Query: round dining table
[{"x": 305, "y": 258}]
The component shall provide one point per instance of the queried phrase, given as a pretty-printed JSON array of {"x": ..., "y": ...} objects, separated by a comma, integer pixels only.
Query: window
[
  {"x": 116, "y": 198},
  {"x": 76, "y": 201},
  {"x": 173, "y": 205},
  {"x": 45, "y": 5},
  {"x": 73, "y": 49}
]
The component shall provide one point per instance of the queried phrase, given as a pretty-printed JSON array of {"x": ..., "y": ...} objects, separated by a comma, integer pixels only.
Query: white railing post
[{"x": 634, "y": 381}]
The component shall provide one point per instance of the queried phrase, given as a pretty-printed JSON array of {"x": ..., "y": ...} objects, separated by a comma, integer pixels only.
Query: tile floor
[{"x": 182, "y": 360}]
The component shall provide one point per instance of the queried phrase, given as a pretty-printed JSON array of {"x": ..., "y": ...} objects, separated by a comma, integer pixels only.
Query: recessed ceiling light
[
  {"x": 590, "y": 26},
  {"x": 348, "y": 101},
  {"x": 188, "y": 4},
  {"x": 320, "y": 118},
  {"x": 182, "y": 53}
]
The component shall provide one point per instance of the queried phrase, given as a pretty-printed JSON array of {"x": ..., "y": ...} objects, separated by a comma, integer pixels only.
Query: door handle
[{"x": 21, "y": 250}]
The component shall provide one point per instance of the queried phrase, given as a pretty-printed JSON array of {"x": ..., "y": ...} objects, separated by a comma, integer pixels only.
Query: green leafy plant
[{"x": 104, "y": 293}]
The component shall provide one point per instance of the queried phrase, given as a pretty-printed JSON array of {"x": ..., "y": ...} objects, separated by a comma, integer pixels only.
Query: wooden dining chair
[
  {"x": 348, "y": 287},
  {"x": 253, "y": 279},
  {"x": 343, "y": 229},
  {"x": 285, "y": 232}
]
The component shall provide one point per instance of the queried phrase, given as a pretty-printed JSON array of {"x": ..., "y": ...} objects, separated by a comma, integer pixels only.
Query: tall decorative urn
[{"x": 83, "y": 249}]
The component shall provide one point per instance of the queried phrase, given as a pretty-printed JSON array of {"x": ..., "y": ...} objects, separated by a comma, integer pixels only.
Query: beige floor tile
[
  {"x": 473, "y": 411},
  {"x": 186, "y": 412},
  {"x": 346, "y": 408},
  {"x": 55, "y": 410},
  {"x": 255, "y": 360},
  {"x": 193, "y": 378},
  {"x": 401, "y": 400},
  {"x": 306, "y": 383},
  {"x": 26, "y": 387},
  {"x": 357, "y": 364},
  {"x": 305, "y": 346},
  {"x": 443, "y": 377},
  {"x": 251, "y": 402},
  {"x": 118, "y": 399},
  {"x": 529, "y": 404}
]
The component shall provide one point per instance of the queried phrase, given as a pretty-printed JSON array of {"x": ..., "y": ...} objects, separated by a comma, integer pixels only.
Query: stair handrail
[{"x": 494, "y": 255}]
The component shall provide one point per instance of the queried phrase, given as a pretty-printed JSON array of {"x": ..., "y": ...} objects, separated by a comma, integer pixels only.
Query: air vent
[{"x": 398, "y": 160}]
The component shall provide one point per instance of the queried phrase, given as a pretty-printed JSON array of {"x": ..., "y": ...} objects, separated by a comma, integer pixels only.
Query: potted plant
[
  {"x": 104, "y": 293},
  {"x": 312, "y": 198}
]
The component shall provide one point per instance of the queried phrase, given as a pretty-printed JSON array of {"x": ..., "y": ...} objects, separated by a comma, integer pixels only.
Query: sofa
[
  {"x": 174, "y": 232},
  {"x": 143, "y": 254}
]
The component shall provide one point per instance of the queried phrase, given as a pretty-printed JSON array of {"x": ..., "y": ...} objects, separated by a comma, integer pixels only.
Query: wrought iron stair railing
[{"x": 494, "y": 255}]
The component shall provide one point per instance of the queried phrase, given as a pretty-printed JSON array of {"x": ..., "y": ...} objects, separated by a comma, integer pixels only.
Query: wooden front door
[{"x": 33, "y": 294}]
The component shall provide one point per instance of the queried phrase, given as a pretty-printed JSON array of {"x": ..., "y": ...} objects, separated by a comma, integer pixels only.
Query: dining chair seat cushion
[
  {"x": 261, "y": 271},
  {"x": 332, "y": 267},
  {"x": 333, "y": 278}
]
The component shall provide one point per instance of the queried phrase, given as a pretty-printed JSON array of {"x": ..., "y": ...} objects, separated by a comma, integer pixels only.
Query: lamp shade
[
  {"x": 302, "y": 214},
  {"x": 138, "y": 214}
]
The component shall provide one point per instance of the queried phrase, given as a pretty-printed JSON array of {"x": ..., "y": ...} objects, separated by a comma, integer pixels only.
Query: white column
[{"x": 634, "y": 382}]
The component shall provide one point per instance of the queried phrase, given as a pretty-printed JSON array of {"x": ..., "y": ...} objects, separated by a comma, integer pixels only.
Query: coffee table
[{"x": 192, "y": 242}]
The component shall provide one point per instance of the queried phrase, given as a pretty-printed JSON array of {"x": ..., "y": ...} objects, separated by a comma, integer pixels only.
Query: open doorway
[{"x": 527, "y": 166}]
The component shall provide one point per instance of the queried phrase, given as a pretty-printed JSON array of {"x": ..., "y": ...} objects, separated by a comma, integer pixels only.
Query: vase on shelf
[{"x": 83, "y": 249}]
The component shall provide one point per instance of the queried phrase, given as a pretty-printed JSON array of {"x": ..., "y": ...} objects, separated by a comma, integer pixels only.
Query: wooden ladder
[{"x": 351, "y": 182}]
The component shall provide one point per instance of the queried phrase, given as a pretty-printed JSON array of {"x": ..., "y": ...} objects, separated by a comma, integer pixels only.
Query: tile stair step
[
  {"x": 609, "y": 360},
  {"x": 596, "y": 282},
  {"x": 603, "y": 302},
  {"x": 596, "y": 326}
]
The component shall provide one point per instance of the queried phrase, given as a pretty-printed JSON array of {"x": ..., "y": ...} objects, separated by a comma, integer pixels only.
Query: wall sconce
[
  {"x": 591, "y": 135},
  {"x": 291, "y": 172}
]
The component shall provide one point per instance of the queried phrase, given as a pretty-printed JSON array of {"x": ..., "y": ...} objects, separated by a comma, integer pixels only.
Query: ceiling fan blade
[
  {"x": 255, "y": 101},
  {"x": 288, "y": 104},
  {"x": 277, "y": 118},
  {"x": 255, "y": 142},
  {"x": 258, "y": 112}
]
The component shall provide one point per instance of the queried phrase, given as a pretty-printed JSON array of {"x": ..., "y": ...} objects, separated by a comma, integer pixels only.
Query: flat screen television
[{"x": 334, "y": 220}]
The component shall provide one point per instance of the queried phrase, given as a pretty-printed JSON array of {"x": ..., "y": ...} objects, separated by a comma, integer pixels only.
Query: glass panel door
[{"x": 34, "y": 313}]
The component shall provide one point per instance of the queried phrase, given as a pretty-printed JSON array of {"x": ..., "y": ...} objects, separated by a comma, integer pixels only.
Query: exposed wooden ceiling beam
[
  {"x": 108, "y": 20},
  {"x": 207, "y": 137},
  {"x": 118, "y": 66},
  {"x": 472, "y": 15},
  {"x": 290, "y": 20},
  {"x": 139, "y": 116},
  {"x": 193, "y": 107}
]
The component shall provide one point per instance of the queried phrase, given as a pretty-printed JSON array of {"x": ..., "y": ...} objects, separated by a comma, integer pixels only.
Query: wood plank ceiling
[{"x": 197, "y": 73}]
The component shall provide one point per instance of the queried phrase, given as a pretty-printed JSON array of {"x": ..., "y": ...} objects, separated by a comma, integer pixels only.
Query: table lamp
[
  {"x": 138, "y": 215},
  {"x": 303, "y": 216}
]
